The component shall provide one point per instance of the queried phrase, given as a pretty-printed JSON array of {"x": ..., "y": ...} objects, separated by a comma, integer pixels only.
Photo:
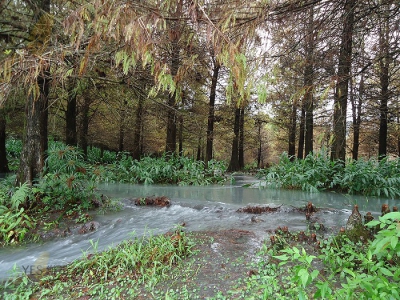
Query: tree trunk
[
  {"x": 70, "y": 117},
  {"x": 338, "y": 150},
  {"x": 3, "y": 153},
  {"x": 137, "y": 131},
  {"x": 259, "y": 138},
  {"x": 35, "y": 138},
  {"x": 234, "y": 163},
  {"x": 122, "y": 121},
  {"x": 84, "y": 126},
  {"x": 180, "y": 139},
  {"x": 35, "y": 142},
  {"x": 292, "y": 132},
  {"x": 302, "y": 128},
  {"x": 211, "y": 111},
  {"x": 175, "y": 34},
  {"x": 198, "y": 155},
  {"x": 309, "y": 86},
  {"x": 384, "y": 85},
  {"x": 356, "y": 113},
  {"x": 241, "y": 140}
]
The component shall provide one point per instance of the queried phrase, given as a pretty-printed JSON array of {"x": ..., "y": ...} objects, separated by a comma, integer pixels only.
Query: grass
[
  {"x": 112, "y": 274},
  {"x": 179, "y": 266}
]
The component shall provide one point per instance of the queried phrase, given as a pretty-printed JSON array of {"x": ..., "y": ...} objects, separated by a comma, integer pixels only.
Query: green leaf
[
  {"x": 304, "y": 275},
  {"x": 394, "y": 241},
  {"x": 386, "y": 272},
  {"x": 281, "y": 257}
]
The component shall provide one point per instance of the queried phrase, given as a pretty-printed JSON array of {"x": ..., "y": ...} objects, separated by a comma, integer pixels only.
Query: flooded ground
[{"x": 201, "y": 209}]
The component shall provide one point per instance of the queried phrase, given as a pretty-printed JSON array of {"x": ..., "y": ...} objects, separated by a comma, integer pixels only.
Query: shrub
[{"x": 317, "y": 172}]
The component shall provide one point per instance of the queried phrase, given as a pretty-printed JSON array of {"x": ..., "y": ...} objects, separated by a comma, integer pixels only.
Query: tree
[
  {"x": 338, "y": 150},
  {"x": 211, "y": 112},
  {"x": 35, "y": 140},
  {"x": 3, "y": 155}
]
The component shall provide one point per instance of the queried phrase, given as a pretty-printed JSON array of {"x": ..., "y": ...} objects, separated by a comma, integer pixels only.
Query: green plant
[
  {"x": 14, "y": 220},
  {"x": 317, "y": 172}
]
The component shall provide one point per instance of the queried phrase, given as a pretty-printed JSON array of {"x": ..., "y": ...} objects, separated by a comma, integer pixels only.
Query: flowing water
[{"x": 201, "y": 208}]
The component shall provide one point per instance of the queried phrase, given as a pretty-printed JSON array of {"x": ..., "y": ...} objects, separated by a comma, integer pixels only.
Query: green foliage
[
  {"x": 169, "y": 169},
  {"x": 370, "y": 178},
  {"x": 14, "y": 221},
  {"x": 368, "y": 270},
  {"x": 13, "y": 149},
  {"x": 112, "y": 274},
  {"x": 317, "y": 172},
  {"x": 312, "y": 174}
]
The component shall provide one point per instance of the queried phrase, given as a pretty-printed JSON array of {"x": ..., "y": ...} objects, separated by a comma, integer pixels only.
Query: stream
[{"x": 201, "y": 208}]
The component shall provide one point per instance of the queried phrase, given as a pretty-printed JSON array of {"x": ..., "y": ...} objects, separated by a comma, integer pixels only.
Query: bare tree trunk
[
  {"x": 122, "y": 121},
  {"x": 384, "y": 84},
  {"x": 137, "y": 131},
  {"x": 241, "y": 140},
  {"x": 70, "y": 116},
  {"x": 259, "y": 138},
  {"x": 356, "y": 113},
  {"x": 292, "y": 132},
  {"x": 338, "y": 150},
  {"x": 309, "y": 85},
  {"x": 234, "y": 163},
  {"x": 210, "y": 122},
  {"x": 3, "y": 153},
  {"x": 180, "y": 138},
  {"x": 174, "y": 65},
  {"x": 198, "y": 155},
  {"x": 302, "y": 128},
  {"x": 84, "y": 125}
]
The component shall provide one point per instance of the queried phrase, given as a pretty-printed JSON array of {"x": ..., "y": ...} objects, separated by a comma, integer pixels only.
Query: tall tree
[
  {"x": 175, "y": 33},
  {"x": 211, "y": 112},
  {"x": 234, "y": 162},
  {"x": 338, "y": 150},
  {"x": 3, "y": 154},
  {"x": 384, "y": 62},
  {"x": 308, "y": 98},
  {"x": 35, "y": 139}
]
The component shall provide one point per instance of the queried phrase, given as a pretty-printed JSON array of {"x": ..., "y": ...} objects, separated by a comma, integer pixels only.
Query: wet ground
[{"x": 221, "y": 260}]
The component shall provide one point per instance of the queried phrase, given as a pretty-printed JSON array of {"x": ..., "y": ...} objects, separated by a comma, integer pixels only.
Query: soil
[{"x": 221, "y": 262}]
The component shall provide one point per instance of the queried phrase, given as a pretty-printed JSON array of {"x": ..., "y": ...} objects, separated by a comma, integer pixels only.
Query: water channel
[{"x": 200, "y": 208}]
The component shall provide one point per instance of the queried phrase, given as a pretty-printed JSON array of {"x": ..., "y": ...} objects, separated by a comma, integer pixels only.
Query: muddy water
[{"x": 208, "y": 208}]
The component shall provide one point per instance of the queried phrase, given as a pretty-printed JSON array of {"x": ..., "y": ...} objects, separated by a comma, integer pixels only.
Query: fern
[{"x": 20, "y": 196}]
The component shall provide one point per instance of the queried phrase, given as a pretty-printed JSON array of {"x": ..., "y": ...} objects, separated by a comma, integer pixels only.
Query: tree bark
[
  {"x": 3, "y": 153},
  {"x": 356, "y": 114},
  {"x": 70, "y": 116},
  {"x": 180, "y": 137},
  {"x": 174, "y": 66},
  {"x": 121, "y": 136},
  {"x": 384, "y": 85},
  {"x": 211, "y": 112},
  {"x": 338, "y": 150},
  {"x": 137, "y": 131},
  {"x": 234, "y": 163},
  {"x": 84, "y": 125},
  {"x": 309, "y": 86},
  {"x": 302, "y": 128},
  {"x": 241, "y": 140},
  {"x": 292, "y": 133},
  {"x": 35, "y": 142}
]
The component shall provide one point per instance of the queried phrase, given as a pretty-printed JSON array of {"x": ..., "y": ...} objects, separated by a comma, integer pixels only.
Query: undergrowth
[
  {"x": 317, "y": 173},
  {"x": 116, "y": 273},
  {"x": 343, "y": 269}
]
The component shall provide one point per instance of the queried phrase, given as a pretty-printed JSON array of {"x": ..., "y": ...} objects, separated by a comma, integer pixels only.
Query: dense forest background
[{"x": 241, "y": 81}]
